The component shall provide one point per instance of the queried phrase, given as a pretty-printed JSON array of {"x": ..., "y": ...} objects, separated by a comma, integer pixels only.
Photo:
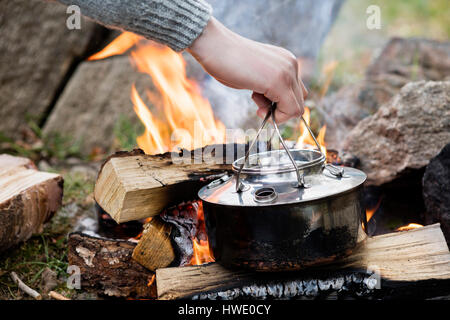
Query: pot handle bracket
[{"x": 300, "y": 178}]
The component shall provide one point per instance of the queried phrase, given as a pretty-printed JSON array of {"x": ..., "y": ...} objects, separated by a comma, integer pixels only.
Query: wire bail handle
[{"x": 271, "y": 113}]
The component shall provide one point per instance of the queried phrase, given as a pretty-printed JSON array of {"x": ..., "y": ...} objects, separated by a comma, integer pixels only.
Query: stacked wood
[
  {"x": 417, "y": 258},
  {"x": 106, "y": 267},
  {"x": 28, "y": 199},
  {"x": 133, "y": 185}
]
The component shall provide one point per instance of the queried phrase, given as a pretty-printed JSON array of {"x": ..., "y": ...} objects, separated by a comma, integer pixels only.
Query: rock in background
[
  {"x": 436, "y": 191},
  {"x": 404, "y": 134},
  {"x": 37, "y": 52},
  {"x": 402, "y": 60},
  {"x": 95, "y": 98}
]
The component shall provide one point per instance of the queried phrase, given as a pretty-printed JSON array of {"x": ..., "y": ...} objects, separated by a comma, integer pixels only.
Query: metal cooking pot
[{"x": 284, "y": 210}]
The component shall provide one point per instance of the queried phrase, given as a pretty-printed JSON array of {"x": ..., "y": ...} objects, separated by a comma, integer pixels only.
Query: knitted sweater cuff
[{"x": 175, "y": 23}]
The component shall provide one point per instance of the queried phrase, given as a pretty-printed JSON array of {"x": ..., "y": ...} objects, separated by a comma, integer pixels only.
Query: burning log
[
  {"x": 177, "y": 237},
  {"x": 28, "y": 199},
  {"x": 106, "y": 267},
  {"x": 133, "y": 185},
  {"x": 417, "y": 258}
]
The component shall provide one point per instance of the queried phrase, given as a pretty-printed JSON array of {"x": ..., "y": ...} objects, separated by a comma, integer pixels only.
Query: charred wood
[{"x": 107, "y": 268}]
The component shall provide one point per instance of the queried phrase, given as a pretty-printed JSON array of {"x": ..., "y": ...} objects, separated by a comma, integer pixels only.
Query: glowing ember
[
  {"x": 152, "y": 280},
  {"x": 410, "y": 226},
  {"x": 305, "y": 141},
  {"x": 120, "y": 45}
]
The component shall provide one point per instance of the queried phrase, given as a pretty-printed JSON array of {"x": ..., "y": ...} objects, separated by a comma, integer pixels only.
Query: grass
[
  {"x": 48, "y": 249},
  {"x": 126, "y": 133},
  {"x": 77, "y": 187},
  {"x": 30, "y": 259}
]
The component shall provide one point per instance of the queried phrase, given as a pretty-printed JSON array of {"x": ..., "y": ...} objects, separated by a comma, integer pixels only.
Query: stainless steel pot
[{"x": 284, "y": 210}]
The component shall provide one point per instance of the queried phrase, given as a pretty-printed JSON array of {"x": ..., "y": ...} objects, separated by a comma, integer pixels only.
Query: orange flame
[
  {"x": 328, "y": 73},
  {"x": 152, "y": 280},
  {"x": 305, "y": 140},
  {"x": 410, "y": 226},
  {"x": 187, "y": 116},
  {"x": 119, "y": 45},
  {"x": 371, "y": 212},
  {"x": 202, "y": 252}
]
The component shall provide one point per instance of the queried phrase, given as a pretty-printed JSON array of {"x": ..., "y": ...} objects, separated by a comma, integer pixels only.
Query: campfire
[
  {"x": 350, "y": 201},
  {"x": 165, "y": 198}
]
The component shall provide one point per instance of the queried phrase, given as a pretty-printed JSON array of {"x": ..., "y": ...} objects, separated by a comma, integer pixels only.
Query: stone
[
  {"x": 404, "y": 60},
  {"x": 37, "y": 52},
  {"x": 404, "y": 134},
  {"x": 94, "y": 100},
  {"x": 401, "y": 61},
  {"x": 436, "y": 191},
  {"x": 49, "y": 280}
]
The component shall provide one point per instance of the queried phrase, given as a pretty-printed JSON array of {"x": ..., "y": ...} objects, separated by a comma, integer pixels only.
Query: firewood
[
  {"x": 154, "y": 249},
  {"x": 106, "y": 267},
  {"x": 133, "y": 185},
  {"x": 408, "y": 258},
  {"x": 57, "y": 296},
  {"x": 168, "y": 238},
  {"x": 28, "y": 199}
]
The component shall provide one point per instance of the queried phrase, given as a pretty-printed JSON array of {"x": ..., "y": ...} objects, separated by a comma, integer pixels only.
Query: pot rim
[{"x": 319, "y": 160}]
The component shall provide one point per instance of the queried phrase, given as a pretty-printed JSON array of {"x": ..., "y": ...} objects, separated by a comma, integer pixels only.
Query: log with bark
[
  {"x": 28, "y": 199},
  {"x": 106, "y": 267},
  {"x": 133, "y": 185},
  {"x": 408, "y": 262}
]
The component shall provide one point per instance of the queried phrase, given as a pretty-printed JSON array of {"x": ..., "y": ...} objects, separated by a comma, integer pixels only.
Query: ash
[{"x": 345, "y": 286}]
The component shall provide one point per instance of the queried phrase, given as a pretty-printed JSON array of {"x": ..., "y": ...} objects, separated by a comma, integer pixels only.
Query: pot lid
[{"x": 270, "y": 178}]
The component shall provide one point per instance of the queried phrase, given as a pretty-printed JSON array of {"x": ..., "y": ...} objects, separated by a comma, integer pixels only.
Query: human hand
[{"x": 270, "y": 72}]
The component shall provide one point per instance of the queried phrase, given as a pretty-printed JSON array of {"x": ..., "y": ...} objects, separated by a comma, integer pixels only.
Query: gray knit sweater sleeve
[{"x": 175, "y": 23}]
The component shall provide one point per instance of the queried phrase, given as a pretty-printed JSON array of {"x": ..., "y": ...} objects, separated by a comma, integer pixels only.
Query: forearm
[{"x": 175, "y": 23}]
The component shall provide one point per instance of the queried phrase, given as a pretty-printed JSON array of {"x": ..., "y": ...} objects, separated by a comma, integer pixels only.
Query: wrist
[{"x": 212, "y": 33}]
